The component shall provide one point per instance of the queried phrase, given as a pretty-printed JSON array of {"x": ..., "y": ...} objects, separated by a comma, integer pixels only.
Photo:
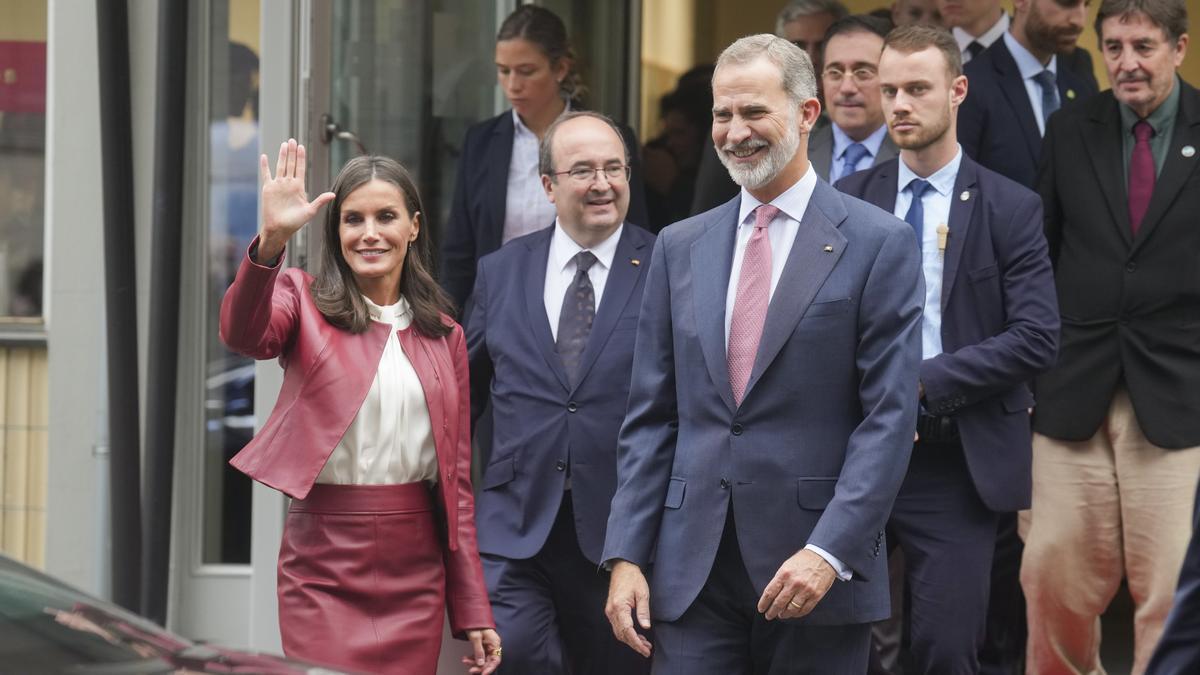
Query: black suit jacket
[
  {"x": 1130, "y": 305},
  {"x": 1178, "y": 650},
  {"x": 999, "y": 321},
  {"x": 476, "y": 224},
  {"x": 996, "y": 123}
]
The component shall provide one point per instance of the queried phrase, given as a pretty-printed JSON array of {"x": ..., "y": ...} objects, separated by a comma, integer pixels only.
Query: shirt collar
[
  {"x": 942, "y": 180},
  {"x": 792, "y": 203},
  {"x": 1027, "y": 63},
  {"x": 563, "y": 248},
  {"x": 963, "y": 38},
  {"x": 841, "y": 141},
  {"x": 1159, "y": 118},
  {"x": 519, "y": 128},
  {"x": 388, "y": 313}
]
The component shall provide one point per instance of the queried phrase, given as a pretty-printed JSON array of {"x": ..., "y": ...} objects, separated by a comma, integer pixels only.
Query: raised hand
[{"x": 285, "y": 205}]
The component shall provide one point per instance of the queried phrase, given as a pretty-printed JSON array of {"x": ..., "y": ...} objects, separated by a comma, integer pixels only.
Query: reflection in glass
[{"x": 233, "y": 222}]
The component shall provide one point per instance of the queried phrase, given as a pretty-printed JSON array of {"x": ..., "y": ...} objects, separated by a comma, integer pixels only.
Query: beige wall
[{"x": 24, "y": 422}]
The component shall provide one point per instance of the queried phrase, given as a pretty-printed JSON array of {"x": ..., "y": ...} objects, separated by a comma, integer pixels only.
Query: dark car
[{"x": 49, "y": 627}]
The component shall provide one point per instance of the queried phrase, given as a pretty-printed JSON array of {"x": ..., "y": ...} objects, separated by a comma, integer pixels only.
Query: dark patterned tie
[
  {"x": 974, "y": 49},
  {"x": 575, "y": 320},
  {"x": 1141, "y": 174}
]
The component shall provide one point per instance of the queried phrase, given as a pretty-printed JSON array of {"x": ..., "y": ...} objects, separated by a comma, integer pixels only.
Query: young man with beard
[
  {"x": 1117, "y": 442},
  {"x": 990, "y": 325},
  {"x": 1017, "y": 83},
  {"x": 856, "y": 137},
  {"x": 772, "y": 403},
  {"x": 550, "y": 343}
]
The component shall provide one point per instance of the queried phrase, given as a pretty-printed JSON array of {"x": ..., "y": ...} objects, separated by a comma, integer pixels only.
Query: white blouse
[
  {"x": 527, "y": 209},
  {"x": 390, "y": 440}
]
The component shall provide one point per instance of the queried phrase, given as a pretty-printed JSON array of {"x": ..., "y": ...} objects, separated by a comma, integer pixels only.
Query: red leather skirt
[{"x": 361, "y": 579}]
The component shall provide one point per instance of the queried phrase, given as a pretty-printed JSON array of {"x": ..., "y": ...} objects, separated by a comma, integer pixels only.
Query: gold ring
[
  {"x": 496, "y": 651},
  {"x": 792, "y": 604}
]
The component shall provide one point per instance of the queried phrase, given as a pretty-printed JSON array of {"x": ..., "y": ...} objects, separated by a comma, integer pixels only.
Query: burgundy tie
[
  {"x": 1141, "y": 175},
  {"x": 750, "y": 303}
]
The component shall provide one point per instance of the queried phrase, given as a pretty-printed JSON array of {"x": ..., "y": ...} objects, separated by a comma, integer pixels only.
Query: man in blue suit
[
  {"x": 772, "y": 404},
  {"x": 990, "y": 325},
  {"x": 550, "y": 343},
  {"x": 1017, "y": 83}
]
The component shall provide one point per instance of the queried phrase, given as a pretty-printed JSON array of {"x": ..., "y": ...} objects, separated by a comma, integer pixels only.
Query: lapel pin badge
[
  {"x": 964, "y": 196},
  {"x": 828, "y": 248},
  {"x": 635, "y": 262},
  {"x": 1188, "y": 151},
  {"x": 1071, "y": 93}
]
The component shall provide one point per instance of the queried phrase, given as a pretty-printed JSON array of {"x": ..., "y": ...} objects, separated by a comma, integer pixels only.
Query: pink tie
[{"x": 750, "y": 303}]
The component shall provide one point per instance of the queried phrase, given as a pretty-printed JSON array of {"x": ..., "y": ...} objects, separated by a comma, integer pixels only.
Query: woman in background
[
  {"x": 499, "y": 194},
  {"x": 370, "y": 433}
]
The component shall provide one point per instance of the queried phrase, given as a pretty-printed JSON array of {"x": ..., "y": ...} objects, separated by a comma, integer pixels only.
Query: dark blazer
[
  {"x": 1178, "y": 650},
  {"x": 817, "y": 449},
  {"x": 996, "y": 124},
  {"x": 820, "y": 150},
  {"x": 999, "y": 322},
  {"x": 1079, "y": 62},
  {"x": 476, "y": 224},
  {"x": 327, "y": 371},
  {"x": 1130, "y": 305},
  {"x": 542, "y": 426}
]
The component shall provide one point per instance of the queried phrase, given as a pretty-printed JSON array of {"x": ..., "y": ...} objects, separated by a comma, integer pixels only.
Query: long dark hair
[
  {"x": 334, "y": 290},
  {"x": 545, "y": 30}
]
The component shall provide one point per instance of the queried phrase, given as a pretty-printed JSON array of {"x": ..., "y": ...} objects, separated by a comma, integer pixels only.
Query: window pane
[
  {"x": 233, "y": 222},
  {"x": 22, "y": 159}
]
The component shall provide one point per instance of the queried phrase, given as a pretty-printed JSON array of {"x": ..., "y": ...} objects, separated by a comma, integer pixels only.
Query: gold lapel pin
[
  {"x": 828, "y": 249},
  {"x": 1071, "y": 93},
  {"x": 964, "y": 196},
  {"x": 635, "y": 262},
  {"x": 1188, "y": 151}
]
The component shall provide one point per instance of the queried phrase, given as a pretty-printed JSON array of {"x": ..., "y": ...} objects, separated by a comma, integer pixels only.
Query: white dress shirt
[
  {"x": 390, "y": 441},
  {"x": 841, "y": 141},
  {"x": 781, "y": 232},
  {"x": 1029, "y": 67},
  {"x": 937, "y": 212},
  {"x": 561, "y": 268},
  {"x": 527, "y": 209},
  {"x": 963, "y": 38}
]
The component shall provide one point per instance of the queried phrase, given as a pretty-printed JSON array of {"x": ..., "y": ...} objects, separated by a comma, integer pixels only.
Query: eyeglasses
[
  {"x": 860, "y": 75},
  {"x": 586, "y": 174}
]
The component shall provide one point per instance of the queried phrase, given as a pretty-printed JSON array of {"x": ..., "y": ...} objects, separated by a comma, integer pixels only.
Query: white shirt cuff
[{"x": 844, "y": 573}]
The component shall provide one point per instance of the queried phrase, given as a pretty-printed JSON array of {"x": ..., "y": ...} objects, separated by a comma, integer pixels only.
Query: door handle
[{"x": 331, "y": 130}]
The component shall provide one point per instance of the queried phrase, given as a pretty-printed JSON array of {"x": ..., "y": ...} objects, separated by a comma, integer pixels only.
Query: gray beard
[{"x": 777, "y": 158}]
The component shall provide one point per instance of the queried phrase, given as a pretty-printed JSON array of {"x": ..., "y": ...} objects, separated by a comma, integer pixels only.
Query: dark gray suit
[{"x": 820, "y": 151}]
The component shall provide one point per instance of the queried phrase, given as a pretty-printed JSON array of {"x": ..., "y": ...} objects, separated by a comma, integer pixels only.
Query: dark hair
[
  {"x": 546, "y": 148},
  {"x": 918, "y": 37},
  {"x": 243, "y": 64},
  {"x": 856, "y": 23},
  {"x": 334, "y": 289},
  {"x": 541, "y": 27},
  {"x": 1169, "y": 15}
]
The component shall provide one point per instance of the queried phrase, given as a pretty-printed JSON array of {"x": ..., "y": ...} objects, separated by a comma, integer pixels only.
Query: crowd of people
[{"x": 888, "y": 363}]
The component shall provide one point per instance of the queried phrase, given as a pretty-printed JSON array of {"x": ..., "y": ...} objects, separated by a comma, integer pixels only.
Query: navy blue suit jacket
[
  {"x": 999, "y": 321},
  {"x": 996, "y": 126},
  {"x": 817, "y": 449},
  {"x": 541, "y": 425},
  {"x": 476, "y": 224},
  {"x": 1178, "y": 650}
]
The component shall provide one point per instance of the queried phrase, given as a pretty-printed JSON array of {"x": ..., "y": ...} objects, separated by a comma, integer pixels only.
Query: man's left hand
[{"x": 800, "y": 583}]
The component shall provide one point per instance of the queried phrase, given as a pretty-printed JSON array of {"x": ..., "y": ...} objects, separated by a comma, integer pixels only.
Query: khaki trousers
[{"x": 1111, "y": 506}]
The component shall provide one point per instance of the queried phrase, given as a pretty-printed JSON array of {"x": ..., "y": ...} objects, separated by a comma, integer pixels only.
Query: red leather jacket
[{"x": 327, "y": 372}]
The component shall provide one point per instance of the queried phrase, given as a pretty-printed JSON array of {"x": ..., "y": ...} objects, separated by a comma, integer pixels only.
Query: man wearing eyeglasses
[
  {"x": 550, "y": 343},
  {"x": 857, "y": 139}
]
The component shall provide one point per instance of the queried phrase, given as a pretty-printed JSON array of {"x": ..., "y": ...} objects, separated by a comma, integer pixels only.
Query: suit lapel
[
  {"x": 535, "y": 302},
  {"x": 807, "y": 267},
  {"x": 961, "y": 212},
  {"x": 499, "y": 158},
  {"x": 712, "y": 257},
  {"x": 887, "y": 151},
  {"x": 881, "y": 190},
  {"x": 622, "y": 279},
  {"x": 1102, "y": 138},
  {"x": 1177, "y": 168},
  {"x": 1013, "y": 87},
  {"x": 820, "y": 151}
]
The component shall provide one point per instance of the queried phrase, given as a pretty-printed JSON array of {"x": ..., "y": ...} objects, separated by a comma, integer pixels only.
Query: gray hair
[
  {"x": 798, "y": 9},
  {"x": 546, "y": 147},
  {"x": 1169, "y": 15},
  {"x": 795, "y": 67}
]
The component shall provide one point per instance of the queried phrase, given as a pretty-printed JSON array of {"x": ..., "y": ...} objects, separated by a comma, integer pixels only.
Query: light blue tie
[
  {"x": 851, "y": 156},
  {"x": 1045, "y": 80},
  {"x": 916, "y": 210}
]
